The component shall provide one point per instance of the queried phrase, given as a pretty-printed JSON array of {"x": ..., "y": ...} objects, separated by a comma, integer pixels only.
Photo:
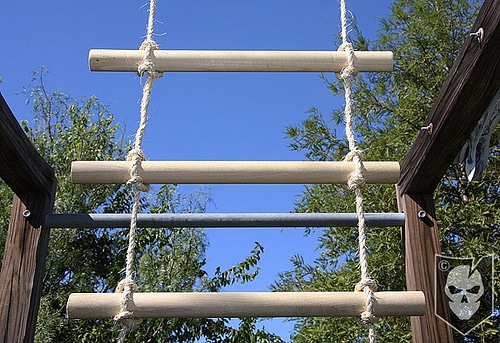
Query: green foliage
[
  {"x": 65, "y": 129},
  {"x": 390, "y": 109}
]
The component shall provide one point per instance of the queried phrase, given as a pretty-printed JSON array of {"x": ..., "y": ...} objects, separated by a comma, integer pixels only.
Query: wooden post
[
  {"x": 23, "y": 267},
  {"x": 470, "y": 87},
  {"x": 25, "y": 252},
  {"x": 421, "y": 241}
]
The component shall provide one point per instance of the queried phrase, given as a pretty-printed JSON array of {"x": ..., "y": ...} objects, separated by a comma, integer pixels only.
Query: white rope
[
  {"x": 356, "y": 180},
  {"x": 127, "y": 286}
]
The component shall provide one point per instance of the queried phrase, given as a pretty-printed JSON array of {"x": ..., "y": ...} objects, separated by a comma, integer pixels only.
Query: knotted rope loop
[
  {"x": 136, "y": 156},
  {"x": 349, "y": 70},
  {"x": 127, "y": 287},
  {"x": 370, "y": 283},
  {"x": 353, "y": 155},
  {"x": 367, "y": 317},
  {"x": 126, "y": 283},
  {"x": 133, "y": 153},
  {"x": 147, "y": 65},
  {"x": 356, "y": 179}
]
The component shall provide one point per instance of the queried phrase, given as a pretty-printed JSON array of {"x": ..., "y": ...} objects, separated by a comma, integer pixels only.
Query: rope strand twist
[
  {"x": 356, "y": 180},
  {"x": 127, "y": 286}
]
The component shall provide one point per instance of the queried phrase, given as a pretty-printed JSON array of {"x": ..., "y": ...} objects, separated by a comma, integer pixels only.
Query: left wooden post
[{"x": 34, "y": 183}]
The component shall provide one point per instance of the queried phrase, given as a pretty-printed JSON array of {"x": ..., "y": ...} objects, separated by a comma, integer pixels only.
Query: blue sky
[{"x": 194, "y": 116}]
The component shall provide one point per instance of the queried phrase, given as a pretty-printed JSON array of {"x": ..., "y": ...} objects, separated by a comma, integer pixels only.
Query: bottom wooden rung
[{"x": 249, "y": 304}]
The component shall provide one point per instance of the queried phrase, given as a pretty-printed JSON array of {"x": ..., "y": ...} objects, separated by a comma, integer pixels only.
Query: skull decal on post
[{"x": 464, "y": 291}]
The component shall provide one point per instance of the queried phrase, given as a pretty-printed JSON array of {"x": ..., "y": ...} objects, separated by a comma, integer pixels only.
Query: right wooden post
[
  {"x": 469, "y": 89},
  {"x": 421, "y": 241}
]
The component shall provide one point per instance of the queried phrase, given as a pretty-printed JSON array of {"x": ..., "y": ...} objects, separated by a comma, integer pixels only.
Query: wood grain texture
[
  {"x": 421, "y": 240},
  {"x": 239, "y": 61},
  {"x": 25, "y": 251},
  {"x": 232, "y": 172},
  {"x": 23, "y": 268},
  {"x": 470, "y": 87},
  {"x": 21, "y": 167},
  {"x": 251, "y": 304}
]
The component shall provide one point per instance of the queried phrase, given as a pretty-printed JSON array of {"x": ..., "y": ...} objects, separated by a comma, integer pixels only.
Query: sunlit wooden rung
[
  {"x": 232, "y": 172},
  {"x": 240, "y": 61},
  {"x": 252, "y": 304}
]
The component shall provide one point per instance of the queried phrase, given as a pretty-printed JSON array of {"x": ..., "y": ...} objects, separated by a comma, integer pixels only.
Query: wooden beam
[
  {"x": 470, "y": 87},
  {"x": 245, "y": 304},
  {"x": 21, "y": 167},
  {"x": 232, "y": 172},
  {"x": 421, "y": 241},
  {"x": 239, "y": 61}
]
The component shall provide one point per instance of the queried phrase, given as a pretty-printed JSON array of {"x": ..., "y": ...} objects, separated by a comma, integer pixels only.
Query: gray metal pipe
[{"x": 222, "y": 220}]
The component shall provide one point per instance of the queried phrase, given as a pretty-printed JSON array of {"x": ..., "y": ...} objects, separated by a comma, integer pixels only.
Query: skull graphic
[{"x": 464, "y": 291}]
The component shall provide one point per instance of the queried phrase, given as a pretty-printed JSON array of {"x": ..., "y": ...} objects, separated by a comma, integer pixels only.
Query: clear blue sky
[{"x": 193, "y": 116}]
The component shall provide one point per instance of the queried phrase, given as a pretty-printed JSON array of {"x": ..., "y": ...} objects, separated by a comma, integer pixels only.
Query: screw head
[
  {"x": 422, "y": 214},
  {"x": 26, "y": 213}
]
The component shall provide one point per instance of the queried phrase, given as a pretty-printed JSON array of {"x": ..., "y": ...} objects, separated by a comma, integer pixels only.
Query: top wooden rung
[{"x": 240, "y": 61}]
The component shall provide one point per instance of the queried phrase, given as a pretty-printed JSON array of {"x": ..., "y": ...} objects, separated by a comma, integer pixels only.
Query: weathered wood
[
  {"x": 22, "y": 168},
  {"x": 239, "y": 61},
  {"x": 251, "y": 304},
  {"x": 23, "y": 267},
  {"x": 23, "y": 264},
  {"x": 421, "y": 241},
  {"x": 471, "y": 85},
  {"x": 232, "y": 172}
]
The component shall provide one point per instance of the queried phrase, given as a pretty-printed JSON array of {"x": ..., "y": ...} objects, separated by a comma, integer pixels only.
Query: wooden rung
[
  {"x": 232, "y": 172},
  {"x": 252, "y": 304},
  {"x": 240, "y": 61}
]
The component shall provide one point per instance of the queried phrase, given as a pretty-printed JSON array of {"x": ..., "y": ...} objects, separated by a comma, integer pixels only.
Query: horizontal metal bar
[
  {"x": 240, "y": 61},
  {"x": 222, "y": 220}
]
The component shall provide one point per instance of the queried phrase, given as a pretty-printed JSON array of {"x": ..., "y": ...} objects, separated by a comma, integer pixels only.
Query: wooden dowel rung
[
  {"x": 252, "y": 304},
  {"x": 240, "y": 61},
  {"x": 232, "y": 172}
]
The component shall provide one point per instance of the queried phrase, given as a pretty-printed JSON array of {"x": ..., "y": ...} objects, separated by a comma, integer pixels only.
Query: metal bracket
[{"x": 479, "y": 34}]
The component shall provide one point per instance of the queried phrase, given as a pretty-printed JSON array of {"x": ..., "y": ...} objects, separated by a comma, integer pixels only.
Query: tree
[
  {"x": 169, "y": 260},
  {"x": 425, "y": 37}
]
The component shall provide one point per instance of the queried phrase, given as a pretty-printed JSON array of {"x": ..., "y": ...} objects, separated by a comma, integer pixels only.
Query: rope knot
[
  {"x": 368, "y": 286},
  {"x": 126, "y": 285},
  {"x": 370, "y": 283},
  {"x": 356, "y": 180},
  {"x": 147, "y": 65},
  {"x": 352, "y": 155},
  {"x": 367, "y": 318},
  {"x": 349, "y": 69},
  {"x": 136, "y": 153},
  {"x": 136, "y": 156}
]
